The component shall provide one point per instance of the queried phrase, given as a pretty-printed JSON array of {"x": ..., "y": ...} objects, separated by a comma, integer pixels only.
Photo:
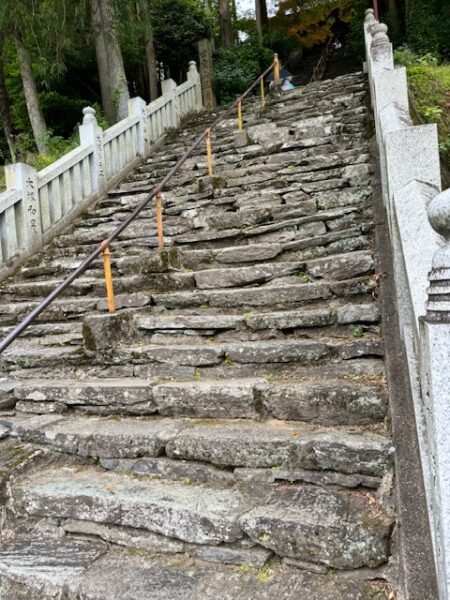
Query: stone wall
[
  {"x": 418, "y": 214},
  {"x": 38, "y": 205}
]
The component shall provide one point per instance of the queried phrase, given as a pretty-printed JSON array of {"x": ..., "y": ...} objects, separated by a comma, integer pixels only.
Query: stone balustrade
[
  {"x": 38, "y": 205},
  {"x": 418, "y": 215}
]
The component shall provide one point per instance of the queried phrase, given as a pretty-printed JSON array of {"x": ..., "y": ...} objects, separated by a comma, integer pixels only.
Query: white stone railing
[
  {"x": 38, "y": 205},
  {"x": 418, "y": 215}
]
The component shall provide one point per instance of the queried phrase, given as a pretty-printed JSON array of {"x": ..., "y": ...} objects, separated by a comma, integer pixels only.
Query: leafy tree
[
  {"x": 177, "y": 31},
  {"x": 310, "y": 23}
]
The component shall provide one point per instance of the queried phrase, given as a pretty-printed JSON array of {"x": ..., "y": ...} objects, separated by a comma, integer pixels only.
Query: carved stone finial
[
  {"x": 381, "y": 48},
  {"x": 380, "y": 36},
  {"x": 369, "y": 17},
  {"x": 192, "y": 65},
  {"x": 439, "y": 277},
  {"x": 89, "y": 115}
]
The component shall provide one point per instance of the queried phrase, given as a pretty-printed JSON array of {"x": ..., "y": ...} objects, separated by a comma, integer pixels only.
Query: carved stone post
[
  {"x": 435, "y": 363},
  {"x": 137, "y": 107},
  {"x": 24, "y": 178},
  {"x": 194, "y": 75},
  {"x": 92, "y": 135},
  {"x": 206, "y": 73},
  {"x": 169, "y": 90},
  {"x": 381, "y": 49},
  {"x": 369, "y": 21}
]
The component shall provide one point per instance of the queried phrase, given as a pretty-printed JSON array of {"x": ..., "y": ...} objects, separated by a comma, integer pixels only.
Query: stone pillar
[
  {"x": 435, "y": 363},
  {"x": 206, "y": 73},
  {"x": 23, "y": 178},
  {"x": 137, "y": 107},
  {"x": 381, "y": 49},
  {"x": 369, "y": 22},
  {"x": 194, "y": 75},
  {"x": 92, "y": 135},
  {"x": 169, "y": 90}
]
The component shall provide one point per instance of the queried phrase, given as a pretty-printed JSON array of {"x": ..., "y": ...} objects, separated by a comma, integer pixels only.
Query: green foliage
[
  {"x": 236, "y": 68},
  {"x": 355, "y": 39},
  {"x": 277, "y": 41},
  {"x": 406, "y": 57},
  {"x": 421, "y": 26},
  {"x": 357, "y": 331},
  {"x": 177, "y": 29},
  {"x": 430, "y": 84}
]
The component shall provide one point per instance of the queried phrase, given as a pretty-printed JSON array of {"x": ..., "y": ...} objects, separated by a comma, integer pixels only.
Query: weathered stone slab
[
  {"x": 177, "y": 322},
  {"x": 95, "y": 437},
  {"x": 274, "y": 444},
  {"x": 117, "y": 394},
  {"x": 334, "y": 402},
  {"x": 235, "y": 277},
  {"x": 250, "y": 253},
  {"x": 192, "y": 513},
  {"x": 252, "y": 296},
  {"x": 292, "y": 319},
  {"x": 39, "y": 569},
  {"x": 184, "y": 355},
  {"x": 358, "y": 313},
  {"x": 343, "y": 530},
  {"x": 343, "y": 266},
  {"x": 277, "y": 351},
  {"x": 213, "y": 399}
]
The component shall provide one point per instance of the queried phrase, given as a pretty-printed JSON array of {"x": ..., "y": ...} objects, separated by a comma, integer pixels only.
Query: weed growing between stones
[{"x": 357, "y": 331}]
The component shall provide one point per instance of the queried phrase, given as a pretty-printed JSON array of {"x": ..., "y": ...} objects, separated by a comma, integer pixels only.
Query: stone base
[{"x": 241, "y": 139}]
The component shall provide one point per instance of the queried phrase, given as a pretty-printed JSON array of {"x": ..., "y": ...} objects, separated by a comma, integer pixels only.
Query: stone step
[
  {"x": 103, "y": 396},
  {"x": 37, "y": 568},
  {"x": 68, "y": 308},
  {"x": 107, "y": 331},
  {"x": 339, "y": 529},
  {"x": 274, "y": 296},
  {"x": 262, "y": 352},
  {"x": 289, "y": 446},
  {"x": 323, "y": 402}
]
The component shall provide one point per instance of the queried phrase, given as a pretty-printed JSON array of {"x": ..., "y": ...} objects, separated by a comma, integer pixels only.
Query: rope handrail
[{"x": 156, "y": 192}]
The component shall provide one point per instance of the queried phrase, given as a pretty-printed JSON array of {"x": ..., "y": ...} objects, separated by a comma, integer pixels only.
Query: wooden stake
[
  {"x": 159, "y": 221},
  {"x": 108, "y": 280},
  {"x": 263, "y": 95},
  {"x": 209, "y": 152},
  {"x": 276, "y": 72},
  {"x": 240, "y": 123}
]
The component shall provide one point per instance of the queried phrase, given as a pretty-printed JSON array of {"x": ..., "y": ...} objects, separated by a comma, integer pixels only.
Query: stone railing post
[
  {"x": 194, "y": 75},
  {"x": 369, "y": 21},
  {"x": 92, "y": 135},
  {"x": 24, "y": 179},
  {"x": 169, "y": 90},
  {"x": 137, "y": 107},
  {"x": 435, "y": 371},
  {"x": 381, "y": 50}
]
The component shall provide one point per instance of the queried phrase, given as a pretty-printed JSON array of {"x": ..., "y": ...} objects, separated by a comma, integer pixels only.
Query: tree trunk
[
  {"x": 225, "y": 27},
  {"x": 393, "y": 12},
  {"x": 110, "y": 61},
  {"x": 150, "y": 54},
  {"x": 5, "y": 109},
  {"x": 102, "y": 60},
  {"x": 261, "y": 16},
  {"x": 38, "y": 125}
]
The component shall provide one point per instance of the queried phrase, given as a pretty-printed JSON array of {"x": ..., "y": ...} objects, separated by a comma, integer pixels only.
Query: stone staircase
[{"x": 224, "y": 434}]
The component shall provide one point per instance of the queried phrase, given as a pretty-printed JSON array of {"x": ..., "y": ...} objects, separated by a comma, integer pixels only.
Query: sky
[{"x": 245, "y": 6}]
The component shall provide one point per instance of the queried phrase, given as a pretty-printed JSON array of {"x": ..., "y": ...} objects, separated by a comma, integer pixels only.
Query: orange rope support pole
[
  {"x": 159, "y": 221},
  {"x": 240, "y": 122},
  {"x": 276, "y": 72},
  {"x": 263, "y": 95},
  {"x": 209, "y": 152},
  {"x": 108, "y": 280}
]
